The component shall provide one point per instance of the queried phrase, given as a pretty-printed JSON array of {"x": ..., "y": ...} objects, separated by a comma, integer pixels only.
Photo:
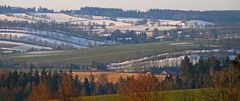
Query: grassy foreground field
[
  {"x": 173, "y": 95},
  {"x": 105, "y": 54}
]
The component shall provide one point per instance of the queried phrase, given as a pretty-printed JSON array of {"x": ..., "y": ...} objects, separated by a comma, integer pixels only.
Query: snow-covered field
[
  {"x": 12, "y": 18},
  {"x": 53, "y": 39},
  {"x": 50, "y": 39},
  {"x": 58, "y": 17},
  {"x": 120, "y": 22},
  {"x": 140, "y": 28},
  {"x": 23, "y": 46},
  {"x": 171, "y": 23},
  {"x": 102, "y": 22},
  {"x": 194, "y": 23},
  {"x": 128, "y": 19},
  {"x": 29, "y": 17}
]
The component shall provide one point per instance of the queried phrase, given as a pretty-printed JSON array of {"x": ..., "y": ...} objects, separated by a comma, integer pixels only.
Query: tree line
[
  {"x": 10, "y": 9},
  {"x": 43, "y": 85}
]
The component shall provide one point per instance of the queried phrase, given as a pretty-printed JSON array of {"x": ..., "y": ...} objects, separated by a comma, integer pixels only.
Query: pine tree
[
  {"x": 36, "y": 77},
  {"x": 54, "y": 83},
  {"x": 40, "y": 92},
  {"x": 87, "y": 87},
  {"x": 186, "y": 67},
  {"x": 65, "y": 90},
  {"x": 92, "y": 84}
]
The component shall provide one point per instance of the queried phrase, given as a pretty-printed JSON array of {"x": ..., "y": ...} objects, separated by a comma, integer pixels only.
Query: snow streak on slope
[
  {"x": 12, "y": 18},
  {"x": 200, "y": 23},
  {"x": 29, "y": 17},
  {"x": 58, "y": 17},
  {"x": 31, "y": 38},
  {"x": 23, "y": 46}
]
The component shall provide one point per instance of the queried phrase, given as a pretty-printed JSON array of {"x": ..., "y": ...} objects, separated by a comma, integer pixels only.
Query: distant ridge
[
  {"x": 216, "y": 16},
  {"x": 10, "y": 9}
]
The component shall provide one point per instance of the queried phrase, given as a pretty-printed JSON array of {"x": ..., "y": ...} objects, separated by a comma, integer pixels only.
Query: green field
[
  {"x": 172, "y": 95},
  {"x": 105, "y": 54}
]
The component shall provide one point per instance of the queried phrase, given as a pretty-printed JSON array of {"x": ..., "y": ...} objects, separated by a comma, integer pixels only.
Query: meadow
[
  {"x": 104, "y": 54},
  {"x": 171, "y": 95}
]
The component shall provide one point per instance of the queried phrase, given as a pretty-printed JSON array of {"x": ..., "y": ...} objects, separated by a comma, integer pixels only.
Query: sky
[{"x": 129, "y": 4}]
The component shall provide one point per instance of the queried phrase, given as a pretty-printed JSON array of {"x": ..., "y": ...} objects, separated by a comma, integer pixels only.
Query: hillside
[
  {"x": 217, "y": 16},
  {"x": 106, "y": 54}
]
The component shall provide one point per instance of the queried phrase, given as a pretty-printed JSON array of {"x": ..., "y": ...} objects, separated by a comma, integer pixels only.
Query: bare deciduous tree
[
  {"x": 225, "y": 86},
  {"x": 40, "y": 92},
  {"x": 143, "y": 88},
  {"x": 66, "y": 88}
]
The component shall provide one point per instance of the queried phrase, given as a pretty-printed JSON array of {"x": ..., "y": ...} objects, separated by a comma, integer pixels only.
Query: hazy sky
[{"x": 129, "y": 4}]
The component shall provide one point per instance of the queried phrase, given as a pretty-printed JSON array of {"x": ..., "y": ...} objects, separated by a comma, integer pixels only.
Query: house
[{"x": 166, "y": 75}]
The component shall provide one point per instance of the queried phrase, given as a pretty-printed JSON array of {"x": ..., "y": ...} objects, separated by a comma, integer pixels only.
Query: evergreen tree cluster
[
  {"x": 199, "y": 75},
  {"x": 9, "y": 9},
  {"x": 33, "y": 85}
]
